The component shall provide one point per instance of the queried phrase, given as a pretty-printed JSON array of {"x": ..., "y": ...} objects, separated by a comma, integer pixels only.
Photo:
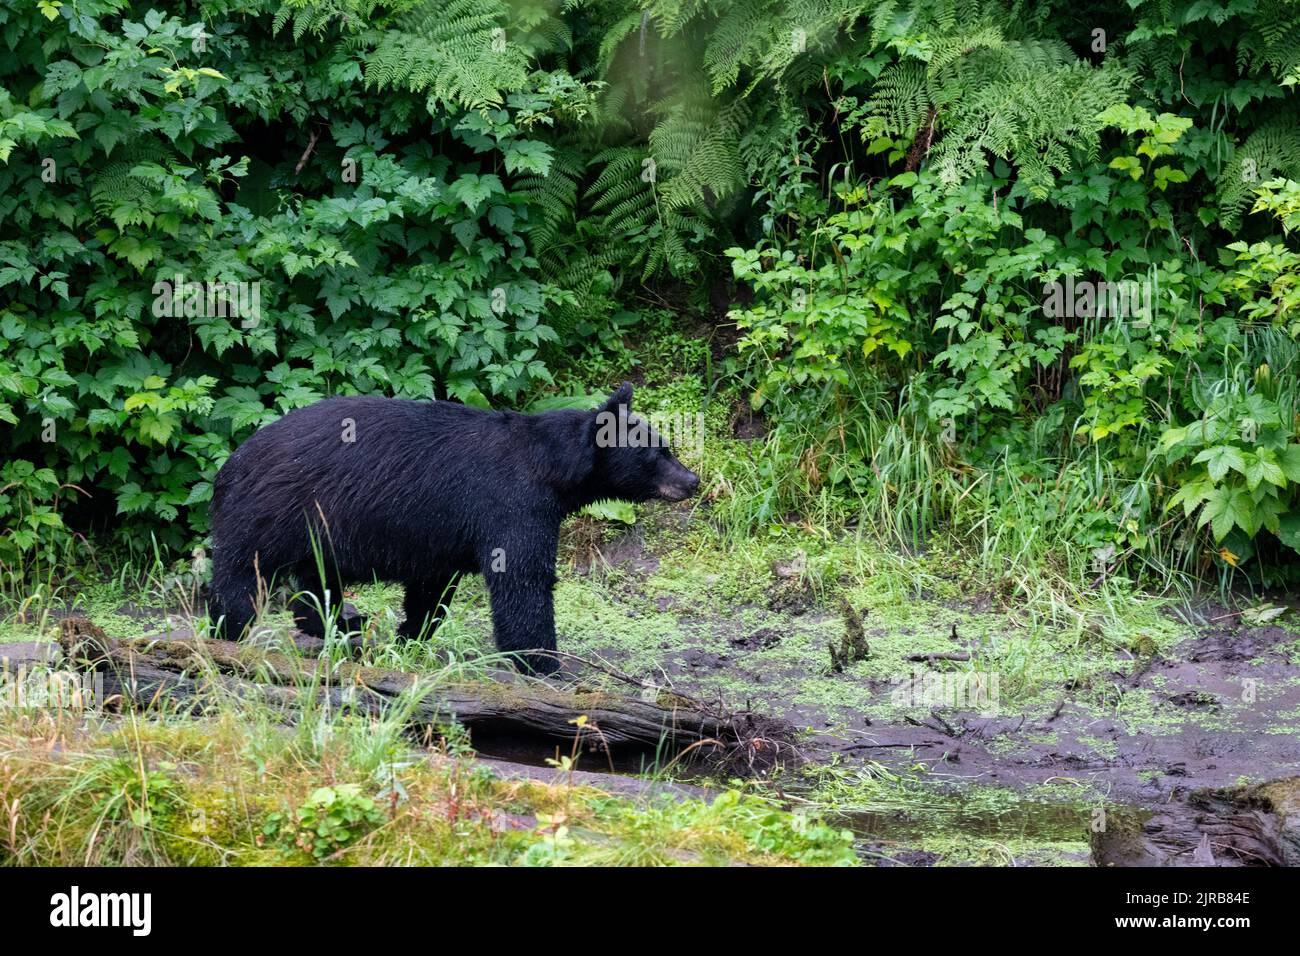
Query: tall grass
[{"x": 1037, "y": 522}]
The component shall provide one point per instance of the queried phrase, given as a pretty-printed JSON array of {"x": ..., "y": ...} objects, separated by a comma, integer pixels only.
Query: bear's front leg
[{"x": 523, "y": 608}]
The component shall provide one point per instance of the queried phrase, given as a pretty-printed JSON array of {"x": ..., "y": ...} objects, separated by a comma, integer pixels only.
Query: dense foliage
[{"x": 921, "y": 204}]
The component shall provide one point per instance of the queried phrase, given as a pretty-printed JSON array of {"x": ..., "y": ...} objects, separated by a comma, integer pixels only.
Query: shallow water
[
  {"x": 958, "y": 827},
  {"x": 1018, "y": 819}
]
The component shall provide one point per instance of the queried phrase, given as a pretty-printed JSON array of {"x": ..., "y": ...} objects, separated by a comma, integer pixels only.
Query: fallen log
[
  {"x": 1252, "y": 825},
  {"x": 190, "y": 676},
  {"x": 940, "y": 656}
]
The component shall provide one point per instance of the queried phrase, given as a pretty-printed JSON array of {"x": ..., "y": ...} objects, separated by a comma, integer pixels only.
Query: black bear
[{"x": 421, "y": 493}]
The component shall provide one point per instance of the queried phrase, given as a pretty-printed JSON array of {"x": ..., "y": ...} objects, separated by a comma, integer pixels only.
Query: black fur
[{"x": 426, "y": 492}]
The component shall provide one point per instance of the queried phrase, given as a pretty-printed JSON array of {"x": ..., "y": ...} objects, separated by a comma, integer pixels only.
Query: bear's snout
[{"x": 680, "y": 484}]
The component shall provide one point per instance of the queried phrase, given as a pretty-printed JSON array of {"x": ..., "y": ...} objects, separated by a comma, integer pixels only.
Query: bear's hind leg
[
  {"x": 233, "y": 603},
  {"x": 425, "y": 604}
]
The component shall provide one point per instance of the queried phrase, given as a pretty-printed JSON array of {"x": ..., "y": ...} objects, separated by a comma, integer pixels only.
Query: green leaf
[
  {"x": 611, "y": 510},
  {"x": 528, "y": 156},
  {"x": 473, "y": 190},
  {"x": 1289, "y": 531},
  {"x": 1228, "y": 507},
  {"x": 1220, "y": 459},
  {"x": 1289, "y": 461}
]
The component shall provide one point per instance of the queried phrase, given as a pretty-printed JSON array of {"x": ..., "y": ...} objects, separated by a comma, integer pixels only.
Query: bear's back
[{"x": 355, "y": 440}]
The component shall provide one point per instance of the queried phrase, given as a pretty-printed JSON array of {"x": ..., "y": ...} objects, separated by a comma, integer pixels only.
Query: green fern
[
  {"x": 457, "y": 52},
  {"x": 553, "y": 198},
  {"x": 696, "y": 148},
  {"x": 968, "y": 90},
  {"x": 659, "y": 236},
  {"x": 316, "y": 16},
  {"x": 1272, "y": 150},
  {"x": 1273, "y": 43},
  {"x": 118, "y": 195},
  {"x": 702, "y": 53},
  {"x": 560, "y": 237}
]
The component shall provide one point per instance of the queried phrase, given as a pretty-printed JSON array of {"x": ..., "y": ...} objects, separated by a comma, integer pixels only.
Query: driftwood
[
  {"x": 1255, "y": 825},
  {"x": 188, "y": 675}
]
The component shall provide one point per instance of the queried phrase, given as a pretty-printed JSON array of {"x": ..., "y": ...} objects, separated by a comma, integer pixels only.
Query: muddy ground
[
  {"x": 1217, "y": 708},
  {"x": 1016, "y": 741},
  {"x": 1217, "y": 705}
]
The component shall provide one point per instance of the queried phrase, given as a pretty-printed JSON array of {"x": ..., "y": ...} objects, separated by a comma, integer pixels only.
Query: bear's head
[{"x": 632, "y": 459}]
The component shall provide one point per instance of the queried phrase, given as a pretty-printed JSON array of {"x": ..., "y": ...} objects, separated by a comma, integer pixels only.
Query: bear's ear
[
  {"x": 621, "y": 396},
  {"x": 565, "y": 451}
]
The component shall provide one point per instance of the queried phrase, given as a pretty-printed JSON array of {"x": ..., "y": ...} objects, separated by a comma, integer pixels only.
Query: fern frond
[
  {"x": 455, "y": 52},
  {"x": 118, "y": 195},
  {"x": 698, "y": 148},
  {"x": 1273, "y": 149}
]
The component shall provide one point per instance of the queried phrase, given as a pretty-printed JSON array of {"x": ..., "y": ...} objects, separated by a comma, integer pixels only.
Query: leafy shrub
[
  {"x": 979, "y": 349},
  {"x": 376, "y": 221}
]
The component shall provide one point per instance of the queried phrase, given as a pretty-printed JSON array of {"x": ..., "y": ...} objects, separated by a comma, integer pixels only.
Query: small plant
[
  {"x": 853, "y": 645},
  {"x": 331, "y": 820},
  {"x": 555, "y": 845},
  {"x": 611, "y": 510},
  {"x": 144, "y": 797}
]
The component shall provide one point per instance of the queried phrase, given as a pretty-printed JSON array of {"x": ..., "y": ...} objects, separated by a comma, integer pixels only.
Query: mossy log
[
  {"x": 1254, "y": 825},
  {"x": 189, "y": 675}
]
